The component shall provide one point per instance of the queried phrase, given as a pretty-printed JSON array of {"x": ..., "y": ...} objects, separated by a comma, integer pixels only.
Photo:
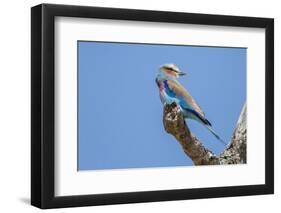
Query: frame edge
[
  {"x": 36, "y": 49},
  {"x": 269, "y": 112}
]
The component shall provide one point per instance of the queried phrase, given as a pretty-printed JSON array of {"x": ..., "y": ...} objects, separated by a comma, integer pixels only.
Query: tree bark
[{"x": 234, "y": 153}]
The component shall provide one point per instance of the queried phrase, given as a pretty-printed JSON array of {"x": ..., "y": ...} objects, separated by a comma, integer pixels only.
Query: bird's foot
[{"x": 173, "y": 107}]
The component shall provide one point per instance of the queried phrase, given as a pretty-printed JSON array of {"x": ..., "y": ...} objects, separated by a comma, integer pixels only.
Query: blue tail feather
[
  {"x": 207, "y": 124},
  {"x": 216, "y": 135}
]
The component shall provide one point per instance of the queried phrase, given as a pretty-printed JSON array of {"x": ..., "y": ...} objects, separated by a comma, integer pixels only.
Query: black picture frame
[{"x": 43, "y": 111}]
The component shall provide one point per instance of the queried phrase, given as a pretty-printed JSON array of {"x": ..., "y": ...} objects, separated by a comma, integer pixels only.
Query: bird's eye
[{"x": 169, "y": 70}]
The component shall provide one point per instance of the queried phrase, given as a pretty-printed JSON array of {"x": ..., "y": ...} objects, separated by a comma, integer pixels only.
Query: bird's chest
[{"x": 167, "y": 96}]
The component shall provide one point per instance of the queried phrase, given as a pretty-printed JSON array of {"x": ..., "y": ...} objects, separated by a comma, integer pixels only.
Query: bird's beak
[{"x": 182, "y": 73}]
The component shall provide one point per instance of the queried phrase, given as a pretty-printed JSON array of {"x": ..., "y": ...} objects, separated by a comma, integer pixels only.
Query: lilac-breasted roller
[{"x": 171, "y": 90}]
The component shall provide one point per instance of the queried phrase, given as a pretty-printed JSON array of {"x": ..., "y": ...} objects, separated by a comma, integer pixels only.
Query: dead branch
[{"x": 235, "y": 152}]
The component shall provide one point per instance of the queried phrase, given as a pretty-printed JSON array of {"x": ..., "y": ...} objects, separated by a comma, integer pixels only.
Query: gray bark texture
[{"x": 234, "y": 153}]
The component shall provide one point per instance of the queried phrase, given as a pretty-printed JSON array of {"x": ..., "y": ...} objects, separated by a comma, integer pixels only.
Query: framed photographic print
[{"x": 139, "y": 106}]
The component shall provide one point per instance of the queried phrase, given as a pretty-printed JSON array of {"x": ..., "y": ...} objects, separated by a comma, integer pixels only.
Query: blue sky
[{"x": 120, "y": 113}]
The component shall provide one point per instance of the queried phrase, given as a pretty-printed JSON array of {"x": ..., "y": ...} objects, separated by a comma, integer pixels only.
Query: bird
[{"x": 171, "y": 91}]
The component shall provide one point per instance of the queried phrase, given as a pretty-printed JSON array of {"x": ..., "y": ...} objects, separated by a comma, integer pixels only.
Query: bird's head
[{"x": 171, "y": 70}]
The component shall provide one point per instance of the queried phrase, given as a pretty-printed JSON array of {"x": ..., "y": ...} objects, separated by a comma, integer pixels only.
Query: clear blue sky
[{"x": 120, "y": 113}]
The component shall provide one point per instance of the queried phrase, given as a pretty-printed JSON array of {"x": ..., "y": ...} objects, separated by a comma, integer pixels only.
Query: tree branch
[{"x": 174, "y": 124}]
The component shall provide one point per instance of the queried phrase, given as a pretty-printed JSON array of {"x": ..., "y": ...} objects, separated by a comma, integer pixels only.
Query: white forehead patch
[{"x": 171, "y": 66}]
